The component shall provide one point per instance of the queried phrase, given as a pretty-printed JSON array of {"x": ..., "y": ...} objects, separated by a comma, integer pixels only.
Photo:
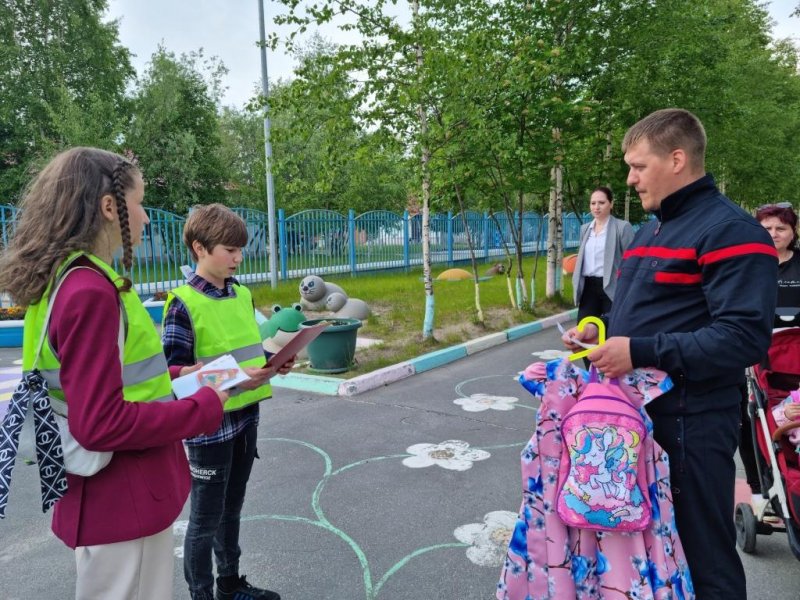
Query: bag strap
[
  {"x": 594, "y": 377},
  {"x": 51, "y": 302}
]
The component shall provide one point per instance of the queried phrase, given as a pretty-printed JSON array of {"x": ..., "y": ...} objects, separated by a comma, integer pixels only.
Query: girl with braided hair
[{"x": 106, "y": 372}]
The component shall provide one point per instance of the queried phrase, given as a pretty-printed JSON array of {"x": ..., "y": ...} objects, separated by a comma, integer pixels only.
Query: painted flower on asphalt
[
  {"x": 552, "y": 354},
  {"x": 488, "y": 540},
  {"x": 453, "y": 455},
  {"x": 482, "y": 402}
]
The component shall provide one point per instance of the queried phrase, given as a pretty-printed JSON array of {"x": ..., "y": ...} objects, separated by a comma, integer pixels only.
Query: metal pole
[{"x": 273, "y": 265}]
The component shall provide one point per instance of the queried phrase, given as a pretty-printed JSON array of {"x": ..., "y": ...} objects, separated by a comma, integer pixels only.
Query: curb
[{"x": 333, "y": 386}]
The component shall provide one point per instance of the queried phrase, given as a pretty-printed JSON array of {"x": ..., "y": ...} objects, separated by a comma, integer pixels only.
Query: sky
[{"x": 229, "y": 30}]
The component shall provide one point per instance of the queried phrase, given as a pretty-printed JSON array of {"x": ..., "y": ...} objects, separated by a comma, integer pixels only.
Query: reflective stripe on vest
[
  {"x": 225, "y": 325},
  {"x": 145, "y": 375}
]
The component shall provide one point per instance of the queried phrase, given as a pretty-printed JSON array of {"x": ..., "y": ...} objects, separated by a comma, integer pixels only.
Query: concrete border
[{"x": 333, "y": 386}]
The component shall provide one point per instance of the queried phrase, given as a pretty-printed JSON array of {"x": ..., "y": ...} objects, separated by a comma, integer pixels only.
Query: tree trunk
[
  {"x": 427, "y": 324},
  {"x": 472, "y": 258},
  {"x": 555, "y": 241},
  {"x": 510, "y": 260},
  {"x": 536, "y": 262},
  {"x": 522, "y": 293},
  {"x": 628, "y": 204}
]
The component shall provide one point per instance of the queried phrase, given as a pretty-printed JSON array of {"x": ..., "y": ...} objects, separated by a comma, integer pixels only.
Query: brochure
[{"x": 223, "y": 373}]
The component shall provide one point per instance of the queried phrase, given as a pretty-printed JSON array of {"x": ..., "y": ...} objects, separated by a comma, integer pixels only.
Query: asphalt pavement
[{"x": 351, "y": 501}]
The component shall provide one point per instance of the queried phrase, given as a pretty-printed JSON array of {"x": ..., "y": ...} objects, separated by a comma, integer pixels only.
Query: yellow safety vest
[
  {"x": 225, "y": 325},
  {"x": 145, "y": 374}
]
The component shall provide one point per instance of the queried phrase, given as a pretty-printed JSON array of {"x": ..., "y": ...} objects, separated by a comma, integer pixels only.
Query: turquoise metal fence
[
  {"x": 326, "y": 242},
  {"x": 8, "y": 218}
]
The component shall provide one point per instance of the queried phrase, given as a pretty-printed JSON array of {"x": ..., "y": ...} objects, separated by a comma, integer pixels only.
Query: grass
[{"x": 397, "y": 301}]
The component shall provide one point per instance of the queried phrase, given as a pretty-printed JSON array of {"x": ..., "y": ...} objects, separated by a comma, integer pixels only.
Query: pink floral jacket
[{"x": 546, "y": 559}]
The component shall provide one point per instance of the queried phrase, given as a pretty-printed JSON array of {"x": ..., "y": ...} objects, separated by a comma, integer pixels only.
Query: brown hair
[
  {"x": 606, "y": 191},
  {"x": 667, "y": 130},
  {"x": 214, "y": 225},
  {"x": 60, "y": 214}
]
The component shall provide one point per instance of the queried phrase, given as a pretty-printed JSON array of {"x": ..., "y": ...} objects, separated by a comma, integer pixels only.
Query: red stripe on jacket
[
  {"x": 661, "y": 252},
  {"x": 737, "y": 250},
  {"x": 685, "y": 278}
]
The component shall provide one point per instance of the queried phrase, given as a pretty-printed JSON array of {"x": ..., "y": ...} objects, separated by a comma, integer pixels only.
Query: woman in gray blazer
[{"x": 599, "y": 257}]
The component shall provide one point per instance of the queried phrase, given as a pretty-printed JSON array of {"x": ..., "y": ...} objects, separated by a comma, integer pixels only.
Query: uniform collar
[
  {"x": 200, "y": 283},
  {"x": 677, "y": 201}
]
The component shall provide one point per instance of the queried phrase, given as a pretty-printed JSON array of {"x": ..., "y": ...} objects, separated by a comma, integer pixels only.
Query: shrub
[{"x": 12, "y": 313}]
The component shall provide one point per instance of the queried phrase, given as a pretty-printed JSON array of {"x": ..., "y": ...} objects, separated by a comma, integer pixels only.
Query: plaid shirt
[{"x": 177, "y": 337}]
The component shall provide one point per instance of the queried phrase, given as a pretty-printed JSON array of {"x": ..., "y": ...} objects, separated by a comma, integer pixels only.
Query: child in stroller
[{"x": 769, "y": 386}]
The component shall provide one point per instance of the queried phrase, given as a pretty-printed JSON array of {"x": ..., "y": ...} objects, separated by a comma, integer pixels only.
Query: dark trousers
[
  {"x": 219, "y": 479},
  {"x": 747, "y": 450},
  {"x": 593, "y": 301},
  {"x": 703, "y": 474}
]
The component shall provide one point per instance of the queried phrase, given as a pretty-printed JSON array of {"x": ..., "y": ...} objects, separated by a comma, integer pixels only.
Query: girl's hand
[
  {"x": 190, "y": 369},
  {"x": 223, "y": 396},
  {"x": 792, "y": 411}
]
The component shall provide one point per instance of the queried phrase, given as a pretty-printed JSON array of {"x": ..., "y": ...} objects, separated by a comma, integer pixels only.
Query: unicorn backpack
[{"x": 602, "y": 483}]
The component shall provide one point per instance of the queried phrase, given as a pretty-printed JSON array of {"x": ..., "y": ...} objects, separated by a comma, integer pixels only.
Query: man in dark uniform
[{"x": 695, "y": 298}]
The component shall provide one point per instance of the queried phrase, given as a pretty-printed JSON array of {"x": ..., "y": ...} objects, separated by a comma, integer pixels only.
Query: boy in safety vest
[{"x": 211, "y": 315}]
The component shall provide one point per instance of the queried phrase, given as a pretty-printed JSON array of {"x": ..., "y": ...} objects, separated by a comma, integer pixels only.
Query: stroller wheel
[{"x": 745, "y": 522}]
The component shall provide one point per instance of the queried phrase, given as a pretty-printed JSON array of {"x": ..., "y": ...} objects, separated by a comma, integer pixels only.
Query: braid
[{"x": 122, "y": 211}]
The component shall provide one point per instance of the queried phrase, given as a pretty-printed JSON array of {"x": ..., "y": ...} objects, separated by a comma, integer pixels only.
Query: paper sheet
[{"x": 223, "y": 373}]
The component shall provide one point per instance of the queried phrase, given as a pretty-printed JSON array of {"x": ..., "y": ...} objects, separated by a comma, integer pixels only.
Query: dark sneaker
[{"x": 245, "y": 591}]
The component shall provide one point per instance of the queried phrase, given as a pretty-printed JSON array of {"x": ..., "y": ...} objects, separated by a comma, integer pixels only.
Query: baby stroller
[{"x": 779, "y": 472}]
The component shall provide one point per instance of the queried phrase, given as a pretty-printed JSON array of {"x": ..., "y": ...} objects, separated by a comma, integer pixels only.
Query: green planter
[{"x": 334, "y": 349}]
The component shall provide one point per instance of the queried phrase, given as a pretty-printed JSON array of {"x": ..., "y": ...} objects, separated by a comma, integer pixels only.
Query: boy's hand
[
  {"x": 258, "y": 376},
  {"x": 287, "y": 366},
  {"x": 792, "y": 411}
]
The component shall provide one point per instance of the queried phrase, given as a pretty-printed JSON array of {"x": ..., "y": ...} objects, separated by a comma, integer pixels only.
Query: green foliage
[
  {"x": 324, "y": 158},
  {"x": 63, "y": 75},
  {"x": 175, "y": 131},
  {"x": 242, "y": 151}
]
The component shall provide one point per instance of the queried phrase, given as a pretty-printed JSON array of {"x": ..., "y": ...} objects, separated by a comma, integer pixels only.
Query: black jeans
[
  {"x": 703, "y": 474},
  {"x": 219, "y": 479},
  {"x": 593, "y": 301}
]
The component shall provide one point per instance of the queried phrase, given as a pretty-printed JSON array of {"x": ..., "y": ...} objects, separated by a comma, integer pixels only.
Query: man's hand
[
  {"x": 587, "y": 336},
  {"x": 613, "y": 358}
]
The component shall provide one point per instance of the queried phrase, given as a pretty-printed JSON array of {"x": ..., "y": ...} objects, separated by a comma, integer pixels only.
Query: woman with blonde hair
[{"x": 90, "y": 340}]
